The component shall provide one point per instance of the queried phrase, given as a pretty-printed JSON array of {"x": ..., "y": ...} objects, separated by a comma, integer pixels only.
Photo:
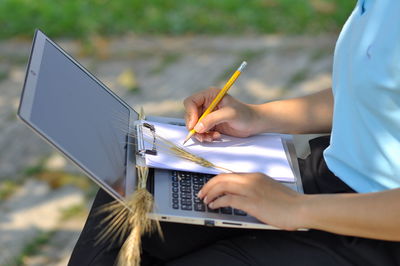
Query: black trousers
[{"x": 199, "y": 245}]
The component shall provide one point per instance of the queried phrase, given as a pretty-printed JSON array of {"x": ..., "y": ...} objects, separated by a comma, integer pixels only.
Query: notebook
[{"x": 263, "y": 153}]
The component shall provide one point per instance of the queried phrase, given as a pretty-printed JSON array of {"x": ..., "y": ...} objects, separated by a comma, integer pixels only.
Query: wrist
[
  {"x": 303, "y": 211},
  {"x": 301, "y": 215},
  {"x": 261, "y": 123}
]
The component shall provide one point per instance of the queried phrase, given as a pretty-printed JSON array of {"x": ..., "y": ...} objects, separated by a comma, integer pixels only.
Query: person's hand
[
  {"x": 230, "y": 117},
  {"x": 258, "y": 195}
]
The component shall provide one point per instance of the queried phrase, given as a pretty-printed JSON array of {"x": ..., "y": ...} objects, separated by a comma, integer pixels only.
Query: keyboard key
[
  {"x": 213, "y": 210},
  {"x": 186, "y": 189},
  {"x": 185, "y": 183},
  {"x": 186, "y": 202},
  {"x": 197, "y": 187},
  {"x": 183, "y": 176},
  {"x": 185, "y": 195},
  {"x": 226, "y": 210},
  {"x": 239, "y": 212},
  {"x": 200, "y": 207},
  {"x": 187, "y": 207},
  {"x": 197, "y": 200},
  {"x": 198, "y": 181}
]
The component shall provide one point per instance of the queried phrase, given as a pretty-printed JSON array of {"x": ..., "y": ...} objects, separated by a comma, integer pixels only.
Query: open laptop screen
[{"x": 79, "y": 116}]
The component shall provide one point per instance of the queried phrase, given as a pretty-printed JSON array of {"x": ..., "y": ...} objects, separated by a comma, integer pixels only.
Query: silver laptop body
[{"x": 77, "y": 114}]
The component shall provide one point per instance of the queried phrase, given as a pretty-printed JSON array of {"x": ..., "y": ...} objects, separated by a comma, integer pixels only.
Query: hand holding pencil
[{"x": 223, "y": 113}]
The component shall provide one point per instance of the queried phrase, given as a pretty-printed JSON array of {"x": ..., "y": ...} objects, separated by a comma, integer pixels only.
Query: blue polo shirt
[{"x": 365, "y": 140}]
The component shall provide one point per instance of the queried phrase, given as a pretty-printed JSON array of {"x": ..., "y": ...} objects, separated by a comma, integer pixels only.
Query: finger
[
  {"x": 194, "y": 104},
  {"x": 215, "y": 135},
  {"x": 229, "y": 200},
  {"x": 214, "y": 118},
  {"x": 191, "y": 113},
  {"x": 228, "y": 186},
  {"x": 199, "y": 137},
  {"x": 208, "y": 136},
  {"x": 215, "y": 180}
]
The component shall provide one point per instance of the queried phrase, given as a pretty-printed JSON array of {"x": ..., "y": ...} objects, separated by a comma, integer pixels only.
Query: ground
[{"x": 44, "y": 199}]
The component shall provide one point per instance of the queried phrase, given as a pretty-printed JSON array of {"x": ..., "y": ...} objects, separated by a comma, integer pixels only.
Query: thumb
[{"x": 214, "y": 118}]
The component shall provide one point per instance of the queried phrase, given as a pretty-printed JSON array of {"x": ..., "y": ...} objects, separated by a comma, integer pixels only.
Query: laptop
[{"x": 77, "y": 114}]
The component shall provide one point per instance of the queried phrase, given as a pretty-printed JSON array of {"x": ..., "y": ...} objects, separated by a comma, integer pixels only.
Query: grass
[
  {"x": 73, "y": 211},
  {"x": 33, "y": 247},
  {"x": 7, "y": 188},
  {"x": 298, "y": 77},
  {"x": 318, "y": 54},
  {"x": 34, "y": 169},
  {"x": 77, "y": 18},
  {"x": 167, "y": 60},
  {"x": 3, "y": 75},
  {"x": 59, "y": 178}
]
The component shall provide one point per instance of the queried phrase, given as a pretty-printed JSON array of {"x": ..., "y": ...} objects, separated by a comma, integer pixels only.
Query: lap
[
  {"x": 287, "y": 248},
  {"x": 198, "y": 245},
  {"x": 86, "y": 251}
]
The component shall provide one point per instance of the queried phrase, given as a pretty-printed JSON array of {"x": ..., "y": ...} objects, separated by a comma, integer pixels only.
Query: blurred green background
[{"x": 77, "y": 18}]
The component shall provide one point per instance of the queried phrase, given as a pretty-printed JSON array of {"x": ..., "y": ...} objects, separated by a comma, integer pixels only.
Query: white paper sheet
[{"x": 262, "y": 153}]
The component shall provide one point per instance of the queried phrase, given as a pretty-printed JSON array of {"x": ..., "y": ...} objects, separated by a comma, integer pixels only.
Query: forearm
[
  {"x": 371, "y": 215},
  {"x": 303, "y": 115}
]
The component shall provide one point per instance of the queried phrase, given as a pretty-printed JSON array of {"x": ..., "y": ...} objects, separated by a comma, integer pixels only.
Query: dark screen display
[{"x": 81, "y": 117}]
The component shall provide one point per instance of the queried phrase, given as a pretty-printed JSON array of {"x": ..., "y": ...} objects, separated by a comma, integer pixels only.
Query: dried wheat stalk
[
  {"x": 141, "y": 204},
  {"x": 181, "y": 152},
  {"x": 130, "y": 218}
]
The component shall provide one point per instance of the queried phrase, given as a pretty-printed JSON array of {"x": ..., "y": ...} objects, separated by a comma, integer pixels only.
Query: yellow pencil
[{"x": 218, "y": 98}]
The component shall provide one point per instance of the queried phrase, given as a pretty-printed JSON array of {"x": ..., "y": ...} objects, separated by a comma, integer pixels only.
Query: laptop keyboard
[{"x": 186, "y": 185}]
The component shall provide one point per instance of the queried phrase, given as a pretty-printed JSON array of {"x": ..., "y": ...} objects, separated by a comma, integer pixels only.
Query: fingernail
[
  {"x": 199, "y": 127},
  {"x": 205, "y": 200},
  {"x": 211, "y": 205},
  {"x": 199, "y": 194}
]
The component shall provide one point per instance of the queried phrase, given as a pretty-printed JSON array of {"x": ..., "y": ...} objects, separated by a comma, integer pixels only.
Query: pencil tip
[{"x": 186, "y": 139}]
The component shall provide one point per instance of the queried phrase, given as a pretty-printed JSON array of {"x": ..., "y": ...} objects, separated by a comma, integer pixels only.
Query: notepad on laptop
[{"x": 263, "y": 153}]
